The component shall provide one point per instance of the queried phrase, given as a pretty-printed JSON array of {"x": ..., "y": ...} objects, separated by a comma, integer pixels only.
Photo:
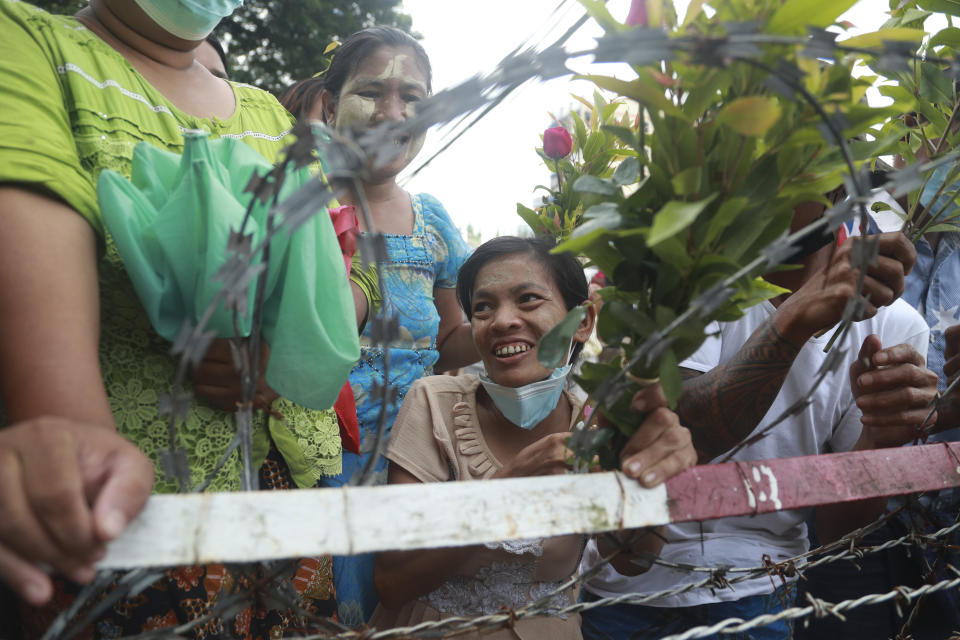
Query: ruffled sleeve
[{"x": 470, "y": 444}]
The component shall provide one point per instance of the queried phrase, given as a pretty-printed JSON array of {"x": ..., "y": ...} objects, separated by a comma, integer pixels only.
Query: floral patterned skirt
[{"x": 235, "y": 601}]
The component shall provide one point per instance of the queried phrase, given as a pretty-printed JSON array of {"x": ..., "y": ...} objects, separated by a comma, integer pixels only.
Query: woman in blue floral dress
[{"x": 381, "y": 74}]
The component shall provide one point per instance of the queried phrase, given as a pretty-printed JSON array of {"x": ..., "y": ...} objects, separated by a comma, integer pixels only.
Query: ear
[
  {"x": 328, "y": 106},
  {"x": 586, "y": 327}
]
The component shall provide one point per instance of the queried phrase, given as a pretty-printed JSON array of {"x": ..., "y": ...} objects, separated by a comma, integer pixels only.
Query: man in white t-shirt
[{"x": 742, "y": 380}]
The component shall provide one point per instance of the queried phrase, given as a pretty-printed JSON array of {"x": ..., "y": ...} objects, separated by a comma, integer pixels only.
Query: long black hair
[{"x": 567, "y": 273}]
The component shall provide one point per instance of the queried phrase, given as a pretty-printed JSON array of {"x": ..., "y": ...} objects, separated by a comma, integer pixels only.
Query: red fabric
[
  {"x": 345, "y": 225},
  {"x": 346, "y": 409}
]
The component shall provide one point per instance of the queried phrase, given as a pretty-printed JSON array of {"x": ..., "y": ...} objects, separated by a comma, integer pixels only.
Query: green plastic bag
[{"x": 171, "y": 223}]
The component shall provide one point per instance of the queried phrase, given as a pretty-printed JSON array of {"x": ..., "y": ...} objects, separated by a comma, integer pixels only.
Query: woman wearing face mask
[
  {"x": 376, "y": 75},
  {"x": 512, "y": 421},
  {"x": 77, "y": 93}
]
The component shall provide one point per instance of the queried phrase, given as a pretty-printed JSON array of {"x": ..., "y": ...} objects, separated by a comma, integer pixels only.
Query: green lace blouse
[{"x": 72, "y": 106}]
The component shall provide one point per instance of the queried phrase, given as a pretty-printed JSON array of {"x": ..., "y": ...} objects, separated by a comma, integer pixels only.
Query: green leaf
[
  {"x": 603, "y": 216},
  {"x": 533, "y": 220},
  {"x": 670, "y": 378},
  {"x": 627, "y": 172},
  {"x": 673, "y": 252},
  {"x": 950, "y": 7},
  {"x": 795, "y": 15},
  {"x": 644, "y": 90},
  {"x": 756, "y": 291},
  {"x": 593, "y": 146},
  {"x": 875, "y": 39},
  {"x": 597, "y": 9},
  {"x": 674, "y": 217},
  {"x": 625, "y": 134},
  {"x": 579, "y": 129},
  {"x": 750, "y": 116},
  {"x": 949, "y": 36},
  {"x": 593, "y": 184},
  {"x": 687, "y": 182},
  {"x": 555, "y": 344}
]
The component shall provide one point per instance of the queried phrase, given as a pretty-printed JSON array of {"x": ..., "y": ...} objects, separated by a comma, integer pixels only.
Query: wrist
[{"x": 789, "y": 329}]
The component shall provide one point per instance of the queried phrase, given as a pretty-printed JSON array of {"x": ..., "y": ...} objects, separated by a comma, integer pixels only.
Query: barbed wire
[{"x": 349, "y": 156}]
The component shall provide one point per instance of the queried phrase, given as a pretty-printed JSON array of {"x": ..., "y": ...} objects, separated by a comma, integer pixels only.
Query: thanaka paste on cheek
[
  {"x": 354, "y": 110},
  {"x": 400, "y": 72}
]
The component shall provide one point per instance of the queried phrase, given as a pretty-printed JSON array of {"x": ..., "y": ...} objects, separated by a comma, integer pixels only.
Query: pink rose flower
[
  {"x": 557, "y": 143},
  {"x": 345, "y": 225}
]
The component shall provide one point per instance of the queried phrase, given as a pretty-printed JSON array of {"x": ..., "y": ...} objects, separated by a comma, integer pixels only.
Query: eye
[
  {"x": 529, "y": 297},
  {"x": 369, "y": 93},
  {"x": 412, "y": 97},
  {"x": 481, "y": 307}
]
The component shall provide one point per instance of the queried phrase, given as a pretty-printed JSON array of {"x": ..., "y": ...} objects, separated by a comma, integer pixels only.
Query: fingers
[
  {"x": 898, "y": 246},
  {"x": 126, "y": 483},
  {"x": 53, "y": 486},
  {"x": 871, "y": 345},
  {"x": 952, "y": 337},
  {"x": 43, "y": 513},
  {"x": 547, "y": 456},
  {"x": 905, "y": 377},
  {"x": 27, "y": 580},
  {"x": 659, "y": 449},
  {"x": 649, "y": 398}
]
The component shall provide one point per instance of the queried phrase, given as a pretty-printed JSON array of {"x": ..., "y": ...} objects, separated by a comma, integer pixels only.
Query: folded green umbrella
[{"x": 171, "y": 222}]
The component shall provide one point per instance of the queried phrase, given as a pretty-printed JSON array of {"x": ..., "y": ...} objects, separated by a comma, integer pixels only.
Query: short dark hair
[
  {"x": 567, "y": 273},
  {"x": 218, "y": 47},
  {"x": 354, "y": 50},
  {"x": 300, "y": 97}
]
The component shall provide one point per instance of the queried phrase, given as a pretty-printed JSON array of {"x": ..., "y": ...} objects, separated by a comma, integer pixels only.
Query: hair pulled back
[
  {"x": 566, "y": 271},
  {"x": 361, "y": 44}
]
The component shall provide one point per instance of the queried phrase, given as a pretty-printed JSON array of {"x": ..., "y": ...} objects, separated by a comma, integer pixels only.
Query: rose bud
[{"x": 557, "y": 143}]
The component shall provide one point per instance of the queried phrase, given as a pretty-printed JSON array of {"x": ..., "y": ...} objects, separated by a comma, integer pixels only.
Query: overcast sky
[{"x": 493, "y": 166}]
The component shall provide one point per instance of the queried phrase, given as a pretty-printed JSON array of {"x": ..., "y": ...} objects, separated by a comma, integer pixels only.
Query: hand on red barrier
[
  {"x": 661, "y": 448},
  {"x": 894, "y": 390}
]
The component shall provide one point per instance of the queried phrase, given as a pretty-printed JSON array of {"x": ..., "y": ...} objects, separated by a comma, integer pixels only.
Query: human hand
[
  {"x": 66, "y": 489},
  {"x": 547, "y": 456},
  {"x": 819, "y": 303},
  {"x": 949, "y": 407},
  {"x": 661, "y": 448},
  {"x": 894, "y": 390},
  {"x": 218, "y": 383}
]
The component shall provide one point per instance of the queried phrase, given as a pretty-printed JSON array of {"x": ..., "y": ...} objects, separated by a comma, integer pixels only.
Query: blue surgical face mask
[
  {"x": 188, "y": 19},
  {"x": 527, "y": 406}
]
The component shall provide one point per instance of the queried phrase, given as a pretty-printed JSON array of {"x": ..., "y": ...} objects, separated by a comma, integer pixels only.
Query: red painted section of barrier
[{"x": 759, "y": 486}]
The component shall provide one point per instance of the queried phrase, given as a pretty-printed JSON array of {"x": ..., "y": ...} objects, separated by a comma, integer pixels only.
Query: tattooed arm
[
  {"x": 721, "y": 407},
  {"x": 724, "y": 405}
]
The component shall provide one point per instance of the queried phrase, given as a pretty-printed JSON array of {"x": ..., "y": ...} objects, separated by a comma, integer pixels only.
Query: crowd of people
[{"x": 81, "y": 368}]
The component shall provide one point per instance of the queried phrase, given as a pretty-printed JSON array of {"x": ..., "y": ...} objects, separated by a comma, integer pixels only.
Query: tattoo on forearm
[{"x": 721, "y": 407}]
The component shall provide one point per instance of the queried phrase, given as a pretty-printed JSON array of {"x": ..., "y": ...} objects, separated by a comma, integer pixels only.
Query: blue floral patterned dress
[{"x": 417, "y": 263}]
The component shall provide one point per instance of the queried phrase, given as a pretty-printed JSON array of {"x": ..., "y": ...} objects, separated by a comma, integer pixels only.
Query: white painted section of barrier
[{"x": 264, "y": 525}]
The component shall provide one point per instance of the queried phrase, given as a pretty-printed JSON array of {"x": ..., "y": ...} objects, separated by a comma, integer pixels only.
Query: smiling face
[
  {"x": 515, "y": 302},
  {"x": 387, "y": 85}
]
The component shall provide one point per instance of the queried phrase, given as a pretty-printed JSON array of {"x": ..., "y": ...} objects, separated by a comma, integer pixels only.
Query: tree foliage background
[{"x": 271, "y": 43}]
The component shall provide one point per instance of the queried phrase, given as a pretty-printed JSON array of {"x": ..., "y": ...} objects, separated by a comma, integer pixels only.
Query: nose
[
  {"x": 392, "y": 107},
  {"x": 506, "y": 318}
]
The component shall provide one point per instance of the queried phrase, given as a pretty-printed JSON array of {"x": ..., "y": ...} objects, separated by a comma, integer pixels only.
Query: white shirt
[{"x": 831, "y": 422}]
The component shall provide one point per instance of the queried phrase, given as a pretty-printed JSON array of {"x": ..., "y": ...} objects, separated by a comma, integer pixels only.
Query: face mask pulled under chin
[
  {"x": 188, "y": 19},
  {"x": 529, "y": 405}
]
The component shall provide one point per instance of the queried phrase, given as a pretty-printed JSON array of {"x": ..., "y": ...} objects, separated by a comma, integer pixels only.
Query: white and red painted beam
[{"x": 264, "y": 525}]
